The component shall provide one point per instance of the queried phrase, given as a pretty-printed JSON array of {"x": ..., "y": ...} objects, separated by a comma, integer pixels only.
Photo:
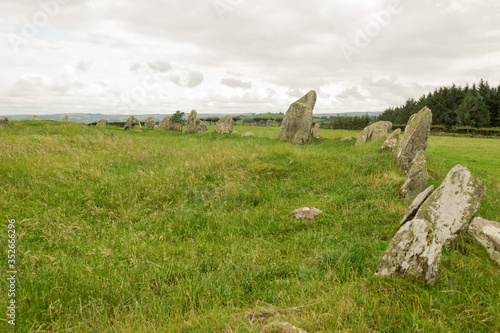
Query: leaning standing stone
[
  {"x": 298, "y": 121},
  {"x": 195, "y": 125},
  {"x": 166, "y": 123},
  {"x": 375, "y": 132},
  {"x": 149, "y": 123},
  {"x": 417, "y": 180},
  {"x": 131, "y": 123},
  {"x": 488, "y": 234},
  {"x": 4, "y": 120},
  {"x": 102, "y": 123},
  {"x": 416, "y": 204},
  {"x": 316, "y": 131},
  {"x": 414, "y": 138},
  {"x": 225, "y": 125},
  {"x": 391, "y": 143}
]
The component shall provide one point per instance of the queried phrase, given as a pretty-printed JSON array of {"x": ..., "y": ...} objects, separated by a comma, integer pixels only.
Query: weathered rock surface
[
  {"x": 176, "y": 127},
  {"x": 414, "y": 138},
  {"x": 149, "y": 123},
  {"x": 418, "y": 178},
  {"x": 375, "y": 132},
  {"x": 225, "y": 125},
  {"x": 281, "y": 327},
  {"x": 235, "y": 132},
  {"x": 65, "y": 118},
  {"x": 348, "y": 138},
  {"x": 391, "y": 144},
  {"x": 306, "y": 213},
  {"x": 416, "y": 204},
  {"x": 166, "y": 123},
  {"x": 488, "y": 234},
  {"x": 452, "y": 206},
  {"x": 195, "y": 125},
  {"x": 4, "y": 120},
  {"x": 248, "y": 134},
  {"x": 298, "y": 121},
  {"x": 315, "y": 132},
  {"x": 102, "y": 123},
  {"x": 414, "y": 252},
  {"x": 131, "y": 123},
  {"x": 34, "y": 118}
]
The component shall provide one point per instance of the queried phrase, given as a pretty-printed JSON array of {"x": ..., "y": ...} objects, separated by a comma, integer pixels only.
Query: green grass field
[{"x": 168, "y": 232}]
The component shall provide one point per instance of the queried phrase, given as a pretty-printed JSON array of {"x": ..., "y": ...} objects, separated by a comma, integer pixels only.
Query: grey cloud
[
  {"x": 160, "y": 66},
  {"x": 234, "y": 83},
  {"x": 352, "y": 92},
  {"x": 84, "y": 65},
  {"x": 135, "y": 66}
]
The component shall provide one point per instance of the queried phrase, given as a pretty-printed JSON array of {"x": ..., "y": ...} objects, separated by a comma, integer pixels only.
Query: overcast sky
[{"x": 238, "y": 56}]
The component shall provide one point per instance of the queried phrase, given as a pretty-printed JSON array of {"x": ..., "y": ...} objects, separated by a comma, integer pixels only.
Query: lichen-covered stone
[
  {"x": 248, "y": 134},
  {"x": 132, "y": 123},
  {"x": 225, "y": 125},
  {"x": 452, "y": 206},
  {"x": 65, "y": 118},
  {"x": 416, "y": 204},
  {"x": 414, "y": 138},
  {"x": 176, "y": 127},
  {"x": 315, "y": 132},
  {"x": 4, "y": 120},
  {"x": 195, "y": 125},
  {"x": 34, "y": 118},
  {"x": 488, "y": 234},
  {"x": 281, "y": 327},
  {"x": 102, "y": 123},
  {"x": 418, "y": 178},
  {"x": 166, "y": 123},
  {"x": 306, "y": 213},
  {"x": 391, "y": 144},
  {"x": 149, "y": 123},
  {"x": 298, "y": 121},
  {"x": 414, "y": 252},
  {"x": 375, "y": 132}
]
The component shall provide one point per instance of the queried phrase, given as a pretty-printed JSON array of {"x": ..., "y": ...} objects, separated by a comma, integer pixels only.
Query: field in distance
[{"x": 162, "y": 231}]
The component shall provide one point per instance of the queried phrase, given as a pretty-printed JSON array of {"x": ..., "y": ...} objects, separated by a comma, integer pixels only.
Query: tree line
[{"x": 476, "y": 106}]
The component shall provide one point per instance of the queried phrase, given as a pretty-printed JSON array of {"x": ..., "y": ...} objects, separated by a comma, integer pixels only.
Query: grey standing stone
[
  {"x": 65, "y": 118},
  {"x": 4, "y": 120},
  {"x": 132, "y": 123},
  {"x": 176, "y": 127},
  {"x": 225, "y": 125},
  {"x": 102, "y": 123},
  {"x": 195, "y": 125},
  {"x": 375, "y": 132},
  {"x": 166, "y": 123},
  {"x": 488, "y": 234},
  {"x": 418, "y": 178},
  {"x": 391, "y": 144},
  {"x": 416, "y": 204},
  {"x": 149, "y": 123},
  {"x": 315, "y": 132},
  {"x": 414, "y": 138},
  {"x": 298, "y": 121},
  {"x": 34, "y": 118}
]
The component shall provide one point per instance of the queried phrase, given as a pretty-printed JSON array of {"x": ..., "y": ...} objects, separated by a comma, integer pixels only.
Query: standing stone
[
  {"x": 375, "y": 132},
  {"x": 176, "y": 127},
  {"x": 414, "y": 138},
  {"x": 195, "y": 125},
  {"x": 298, "y": 121},
  {"x": 65, "y": 118},
  {"x": 149, "y": 123},
  {"x": 102, "y": 123},
  {"x": 453, "y": 205},
  {"x": 391, "y": 144},
  {"x": 4, "y": 120},
  {"x": 418, "y": 178},
  {"x": 488, "y": 234},
  {"x": 166, "y": 123},
  {"x": 34, "y": 118},
  {"x": 414, "y": 252},
  {"x": 316, "y": 131},
  {"x": 225, "y": 125},
  {"x": 131, "y": 123},
  {"x": 416, "y": 204}
]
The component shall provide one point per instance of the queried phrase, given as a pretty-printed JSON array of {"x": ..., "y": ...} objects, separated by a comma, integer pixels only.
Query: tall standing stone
[
  {"x": 414, "y": 138},
  {"x": 225, "y": 125},
  {"x": 375, "y": 132},
  {"x": 391, "y": 144},
  {"x": 149, "y": 123},
  {"x": 102, "y": 123},
  {"x": 166, "y": 123},
  {"x": 298, "y": 121},
  {"x": 131, "y": 123},
  {"x": 4, "y": 120},
  {"x": 315, "y": 133},
  {"x": 418, "y": 178},
  {"x": 195, "y": 125}
]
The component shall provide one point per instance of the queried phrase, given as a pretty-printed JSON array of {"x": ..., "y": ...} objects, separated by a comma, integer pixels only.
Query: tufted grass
[{"x": 160, "y": 231}]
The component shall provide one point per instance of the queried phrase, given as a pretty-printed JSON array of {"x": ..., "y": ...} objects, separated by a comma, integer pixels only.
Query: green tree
[{"x": 178, "y": 118}]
